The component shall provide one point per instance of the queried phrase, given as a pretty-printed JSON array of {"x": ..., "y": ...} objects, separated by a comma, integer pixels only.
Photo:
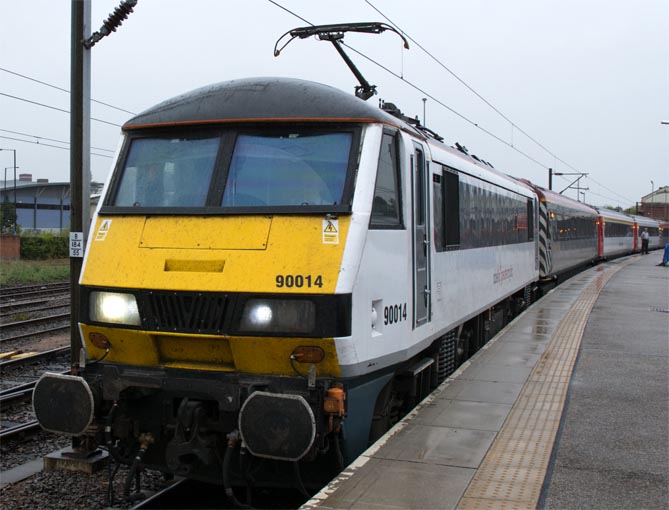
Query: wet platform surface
[{"x": 568, "y": 407}]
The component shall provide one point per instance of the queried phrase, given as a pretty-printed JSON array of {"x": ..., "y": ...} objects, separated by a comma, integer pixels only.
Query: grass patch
[{"x": 19, "y": 272}]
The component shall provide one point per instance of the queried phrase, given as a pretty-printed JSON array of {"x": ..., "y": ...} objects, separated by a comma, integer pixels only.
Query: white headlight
[
  {"x": 114, "y": 308},
  {"x": 259, "y": 314},
  {"x": 278, "y": 316}
]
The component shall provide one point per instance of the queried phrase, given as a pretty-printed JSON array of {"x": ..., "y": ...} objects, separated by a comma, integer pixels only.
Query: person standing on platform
[
  {"x": 645, "y": 236},
  {"x": 665, "y": 257}
]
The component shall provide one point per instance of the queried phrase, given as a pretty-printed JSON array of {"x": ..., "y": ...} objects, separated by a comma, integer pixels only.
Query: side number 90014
[
  {"x": 298, "y": 281},
  {"x": 394, "y": 313}
]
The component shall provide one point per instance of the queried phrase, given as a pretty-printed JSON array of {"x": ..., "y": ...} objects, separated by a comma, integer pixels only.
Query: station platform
[{"x": 567, "y": 407}]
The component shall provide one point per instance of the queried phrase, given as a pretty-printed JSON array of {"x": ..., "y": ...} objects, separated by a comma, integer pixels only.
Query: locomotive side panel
[{"x": 485, "y": 247}]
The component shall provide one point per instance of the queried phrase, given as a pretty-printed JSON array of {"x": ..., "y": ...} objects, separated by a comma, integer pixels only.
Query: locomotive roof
[{"x": 260, "y": 99}]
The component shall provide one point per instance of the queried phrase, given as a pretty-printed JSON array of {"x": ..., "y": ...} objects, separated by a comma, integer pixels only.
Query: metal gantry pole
[
  {"x": 80, "y": 85},
  {"x": 16, "y": 212}
]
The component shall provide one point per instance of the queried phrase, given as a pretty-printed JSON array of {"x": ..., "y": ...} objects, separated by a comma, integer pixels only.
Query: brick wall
[{"x": 10, "y": 247}]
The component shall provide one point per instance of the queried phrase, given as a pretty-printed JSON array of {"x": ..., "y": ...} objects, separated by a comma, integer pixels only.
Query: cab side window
[{"x": 386, "y": 206}]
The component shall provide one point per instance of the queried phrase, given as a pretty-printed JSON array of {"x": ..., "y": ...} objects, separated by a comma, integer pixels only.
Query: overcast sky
[{"x": 586, "y": 79}]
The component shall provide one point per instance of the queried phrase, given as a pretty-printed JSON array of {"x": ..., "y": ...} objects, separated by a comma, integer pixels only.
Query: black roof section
[{"x": 260, "y": 99}]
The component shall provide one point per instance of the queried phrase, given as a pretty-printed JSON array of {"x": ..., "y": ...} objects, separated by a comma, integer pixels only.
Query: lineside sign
[{"x": 76, "y": 244}]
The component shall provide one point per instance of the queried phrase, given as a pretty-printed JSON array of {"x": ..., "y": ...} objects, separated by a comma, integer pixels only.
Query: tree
[{"x": 7, "y": 215}]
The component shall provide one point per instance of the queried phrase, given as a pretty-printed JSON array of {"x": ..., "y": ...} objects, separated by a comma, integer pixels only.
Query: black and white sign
[{"x": 76, "y": 244}]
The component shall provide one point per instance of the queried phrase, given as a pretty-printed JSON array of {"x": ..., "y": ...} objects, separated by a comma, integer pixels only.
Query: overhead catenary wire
[
  {"x": 471, "y": 89},
  {"x": 610, "y": 190},
  {"x": 615, "y": 200},
  {"x": 455, "y": 112},
  {"x": 419, "y": 89},
  {"x": 63, "y": 90},
  {"x": 49, "y": 139},
  {"x": 54, "y": 108},
  {"x": 512, "y": 124},
  {"x": 51, "y": 146}
]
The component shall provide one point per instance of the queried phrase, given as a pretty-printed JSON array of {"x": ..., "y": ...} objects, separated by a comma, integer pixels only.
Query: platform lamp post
[
  {"x": 15, "y": 215},
  {"x": 5, "y": 181}
]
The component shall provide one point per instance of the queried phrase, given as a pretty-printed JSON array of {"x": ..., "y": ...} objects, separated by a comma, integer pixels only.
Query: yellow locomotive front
[{"x": 209, "y": 296}]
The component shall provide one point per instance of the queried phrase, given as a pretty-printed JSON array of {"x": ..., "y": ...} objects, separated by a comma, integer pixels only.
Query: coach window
[
  {"x": 438, "y": 210},
  {"x": 451, "y": 185},
  {"x": 530, "y": 219},
  {"x": 386, "y": 210}
]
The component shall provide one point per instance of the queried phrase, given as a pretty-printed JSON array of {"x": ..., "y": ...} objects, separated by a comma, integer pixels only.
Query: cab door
[{"x": 421, "y": 239}]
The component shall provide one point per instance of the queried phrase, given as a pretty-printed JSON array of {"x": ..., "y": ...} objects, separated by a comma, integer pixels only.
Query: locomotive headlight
[
  {"x": 114, "y": 308},
  {"x": 278, "y": 316}
]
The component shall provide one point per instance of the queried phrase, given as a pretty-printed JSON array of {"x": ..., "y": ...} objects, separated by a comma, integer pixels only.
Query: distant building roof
[{"x": 661, "y": 195}]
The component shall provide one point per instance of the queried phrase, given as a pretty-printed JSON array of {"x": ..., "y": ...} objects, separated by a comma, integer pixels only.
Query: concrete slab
[
  {"x": 462, "y": 414},
  {"x": 385, "y": 484},
  {"x": 491, "y": 392},
  {"x": 499, "y": 373},
  {"x": 438, "y": 445}
]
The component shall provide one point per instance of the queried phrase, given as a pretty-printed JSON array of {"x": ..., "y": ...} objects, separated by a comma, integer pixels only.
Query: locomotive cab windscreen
[{"x": 296, "y": 167}]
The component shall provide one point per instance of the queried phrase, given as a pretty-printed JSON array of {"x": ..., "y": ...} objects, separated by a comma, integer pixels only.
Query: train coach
[
  {"x": 615, "y": 234},
  {"x": 655, "y": 239},
  {"x": 277, "y": 271},
  {"x": 567, "y": 234}
]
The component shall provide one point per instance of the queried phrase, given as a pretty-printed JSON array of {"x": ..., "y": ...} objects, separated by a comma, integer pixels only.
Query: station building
[
  {"x": 41, "y": 206},
  {"x": 656, "y": 204}
]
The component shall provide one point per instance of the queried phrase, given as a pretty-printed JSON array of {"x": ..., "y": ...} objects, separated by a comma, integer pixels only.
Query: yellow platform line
[{"x": 513, "y": 471}]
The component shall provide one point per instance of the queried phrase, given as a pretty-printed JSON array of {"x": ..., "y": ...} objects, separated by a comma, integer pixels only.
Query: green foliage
[
  {"x": 44, "y": 246},
  {"x": 18, "y": 272},
  {"x": 7, "y": 215}
]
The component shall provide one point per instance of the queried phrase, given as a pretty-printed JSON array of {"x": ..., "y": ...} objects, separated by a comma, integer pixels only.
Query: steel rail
[
  {"x": 5, "y": 297},
  {"x": 35, "y": 333},
  {"x": 20, "y": 392},
  {"x": 29, "y": 288},
  {"x": 27, "y": 308},
  {"x": 23, "y": 429},
  {"x": 6, "y": 309},
  {"x": 34, "y": 322},
  {"x": 22, "y": 360}
]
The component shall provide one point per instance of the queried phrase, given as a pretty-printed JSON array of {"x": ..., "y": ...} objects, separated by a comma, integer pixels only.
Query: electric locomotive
[{"x": 276, "y": 272}]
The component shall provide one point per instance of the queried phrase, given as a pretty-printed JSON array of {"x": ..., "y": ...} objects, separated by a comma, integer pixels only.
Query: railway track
[
  {"x": 31, "y": 307},
  {"x": 33, "y": 322},
  {"x": 35, "y": 333},
  {"x": 11, "y": 294},
  {"x": 20, "y": 431},
  {"x": 20, "y": 358},
  {"x": 20, "y": 393}
]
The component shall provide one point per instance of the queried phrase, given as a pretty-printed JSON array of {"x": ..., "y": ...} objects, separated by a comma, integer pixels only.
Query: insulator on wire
[
  {"x": 117, "y": 17},
  {"x": 113, "y": 21}
]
